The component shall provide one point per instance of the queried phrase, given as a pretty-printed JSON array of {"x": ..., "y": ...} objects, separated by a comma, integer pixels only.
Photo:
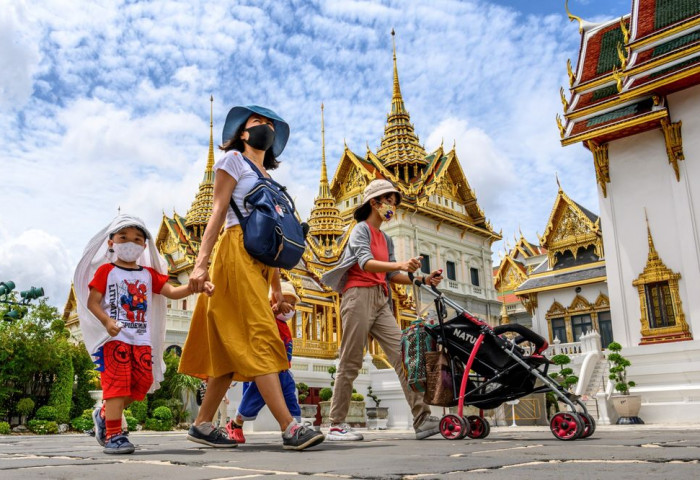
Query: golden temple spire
[
  {"x": 324, "y": 190},
  {"x": 400, "y": 145},
  {"x": 653, "y": 255},
  {"x": 200, "y": 211},
  {"x": 325, "y": 222}
]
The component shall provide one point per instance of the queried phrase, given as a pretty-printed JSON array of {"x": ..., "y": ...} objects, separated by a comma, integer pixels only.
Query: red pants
[{"x": 127, "y": 370}]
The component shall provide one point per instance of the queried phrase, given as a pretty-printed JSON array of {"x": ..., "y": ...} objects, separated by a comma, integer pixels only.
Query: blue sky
[{"x": 105, "y": 104}]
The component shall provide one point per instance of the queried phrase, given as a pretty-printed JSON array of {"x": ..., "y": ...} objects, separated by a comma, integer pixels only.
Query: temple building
[
  {"x": 634, "y": 102},
  {"x": 514, "y": 269},
  {"x": 567, "y": 293}
]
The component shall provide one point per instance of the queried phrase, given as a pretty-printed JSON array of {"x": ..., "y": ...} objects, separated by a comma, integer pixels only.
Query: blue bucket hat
[{"x": 237, "y": 116}]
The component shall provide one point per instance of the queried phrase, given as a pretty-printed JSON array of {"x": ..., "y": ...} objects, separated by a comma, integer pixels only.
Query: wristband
[{"x": 424, "y": 280}]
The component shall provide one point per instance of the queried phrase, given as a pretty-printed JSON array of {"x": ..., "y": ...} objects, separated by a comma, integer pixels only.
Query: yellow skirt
[{"x": 234, "y": 330}]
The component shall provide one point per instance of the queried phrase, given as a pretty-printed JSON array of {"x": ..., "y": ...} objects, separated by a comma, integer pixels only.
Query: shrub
[
  {"x": 374, "y": 397},
  {"x": 131, "y": 422},
  {"x": 178, "y": 409},
  {"x": 357, "y": 397},
  {"x": 163, "y": 413},
  {"x": 140, "y": 410},
  {"x": 46, "y": 413},
  {"x": 25, "y": 407},
  {"x": 155, "y": 404},
  {"x": 158, "y": 425},
  {"x": 42, "y": 427},
  {"x": 325, "y": 394},
  {"x": 4, "y": 428},
  {"x": 303, "y": 390},
  {"x": 564, "y": 375},
  {"x": 62, "y": 389},
  {"x": 81, "y": 424},
  {"x": 618, "y": 369}
]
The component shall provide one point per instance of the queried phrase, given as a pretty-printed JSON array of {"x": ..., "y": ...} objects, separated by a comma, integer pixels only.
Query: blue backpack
[{"x": 271, "y": 233}]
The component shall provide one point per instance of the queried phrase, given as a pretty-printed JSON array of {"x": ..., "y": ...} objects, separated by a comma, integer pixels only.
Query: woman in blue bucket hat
[{"x": 233, "y": 335}]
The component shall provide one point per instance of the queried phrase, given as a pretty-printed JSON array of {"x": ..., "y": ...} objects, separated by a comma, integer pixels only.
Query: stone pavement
[{"x": 613, "y": 452}]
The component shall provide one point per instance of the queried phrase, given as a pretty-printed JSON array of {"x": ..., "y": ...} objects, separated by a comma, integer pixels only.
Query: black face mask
[{"x": 260, "y": 137}]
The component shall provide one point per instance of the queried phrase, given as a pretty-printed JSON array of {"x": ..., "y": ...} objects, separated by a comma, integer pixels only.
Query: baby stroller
[{"x": 490, "y": 369}]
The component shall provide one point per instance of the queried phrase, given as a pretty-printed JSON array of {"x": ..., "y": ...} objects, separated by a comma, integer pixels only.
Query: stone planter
[
  {"x": 308, "y": 413},
  {"x": 355, "y": 418},
  {"x": 96, "y": 395},
  {"x": 377, "y": 417},
  {"x": 627, "y": 407}
]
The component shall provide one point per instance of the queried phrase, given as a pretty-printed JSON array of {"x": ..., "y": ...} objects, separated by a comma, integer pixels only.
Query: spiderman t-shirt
[{"x": 127, "y": 293}]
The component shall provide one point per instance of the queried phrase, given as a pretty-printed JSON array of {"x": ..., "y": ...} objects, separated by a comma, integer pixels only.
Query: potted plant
[
  {"x": 308, "y": 411},
  {"x": 564, "y": 377},
  {"x": 356, "y": 411},
  {"x": 376, "y": 416},
  {"x": 626, "y": 405}
]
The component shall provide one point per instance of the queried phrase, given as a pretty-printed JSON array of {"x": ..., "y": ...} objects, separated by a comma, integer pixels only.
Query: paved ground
[{"x": 613, "y": 452}]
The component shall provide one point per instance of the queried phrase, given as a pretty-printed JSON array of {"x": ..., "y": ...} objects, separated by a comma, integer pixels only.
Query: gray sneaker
[
  {"x": 429, "y": 427},
  {"x": 343, "y": 433}
]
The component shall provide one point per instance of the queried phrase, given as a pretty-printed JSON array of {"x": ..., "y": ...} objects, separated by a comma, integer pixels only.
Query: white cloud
[
  {"x": 36, "y": 258},
  {"x": 19, "y": 56}
]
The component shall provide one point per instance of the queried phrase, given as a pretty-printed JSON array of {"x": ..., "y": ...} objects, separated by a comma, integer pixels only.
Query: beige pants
[{"x": 364, "y": 311}]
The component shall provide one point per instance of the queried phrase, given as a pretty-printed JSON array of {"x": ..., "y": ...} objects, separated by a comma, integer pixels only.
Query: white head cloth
[{"x": 95, "y": 255}]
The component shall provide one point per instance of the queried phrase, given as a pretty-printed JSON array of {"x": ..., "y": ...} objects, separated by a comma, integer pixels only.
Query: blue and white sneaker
[
  {"x": 119, "y": 444},
  {"x": 100, "y": 427},
  {"x": 343, "y": 432}
]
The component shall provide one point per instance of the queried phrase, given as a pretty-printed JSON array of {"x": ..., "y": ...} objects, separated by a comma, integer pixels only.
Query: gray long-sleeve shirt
[{"x": 357, "y": 250}]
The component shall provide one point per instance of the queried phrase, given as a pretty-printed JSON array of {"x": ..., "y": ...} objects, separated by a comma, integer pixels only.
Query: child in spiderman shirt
[
  {"x": 123, "y": 297},
  {"x": 252, "y": 402}
]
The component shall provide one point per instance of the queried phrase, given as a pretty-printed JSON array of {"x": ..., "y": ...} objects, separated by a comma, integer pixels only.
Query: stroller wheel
[
  {"x": 453, "y": 427},
  {"x": 566, "y": 426},
  {"x": 478, "y": 427},
  {"x": 588, "y": 424}
]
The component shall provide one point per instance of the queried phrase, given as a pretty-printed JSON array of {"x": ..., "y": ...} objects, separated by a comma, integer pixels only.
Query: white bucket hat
[{"x": 377, "y": 188}]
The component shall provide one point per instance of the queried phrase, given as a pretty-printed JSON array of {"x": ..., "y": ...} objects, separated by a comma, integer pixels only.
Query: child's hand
[
  {"x": 113, "y": 327},
  {"x": 208, "y": 288}
]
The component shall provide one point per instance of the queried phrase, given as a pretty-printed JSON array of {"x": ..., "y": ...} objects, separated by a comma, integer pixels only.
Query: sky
[{"x": 104, "y": 105}]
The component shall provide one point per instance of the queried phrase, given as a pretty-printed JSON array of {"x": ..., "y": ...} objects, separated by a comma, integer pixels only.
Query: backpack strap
[{"x": 235, "y": 208}]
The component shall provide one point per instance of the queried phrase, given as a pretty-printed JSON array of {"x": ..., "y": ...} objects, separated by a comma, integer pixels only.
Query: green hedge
[
  {"x": 131, "y": 422},
  {"x": 83, "y": 422},
  {"x": 158, "y": 425},
  {"x": 140, "y": 410},
  {"x": 25, "y": 407},
  {"x": 163, "y": 413},
  {"x": 4, "y": 428},
  {"x": 42, "y": 427},
  {"x": 62, "y": 390},
  {"x": 47, "y": 413}
]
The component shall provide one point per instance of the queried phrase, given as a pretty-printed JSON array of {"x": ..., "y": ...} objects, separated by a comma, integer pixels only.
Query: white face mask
[
  {"x": 286, "y": 316},
  {"x": 128, "y": 252}
]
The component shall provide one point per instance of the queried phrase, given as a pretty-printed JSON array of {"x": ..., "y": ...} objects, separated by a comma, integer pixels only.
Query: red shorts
[{"x": 127, "y": 372}]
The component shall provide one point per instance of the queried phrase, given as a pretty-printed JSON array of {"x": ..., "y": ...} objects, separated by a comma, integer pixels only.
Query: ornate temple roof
[
  {"x": 400, "y": 143},
  {"x": 625, "y": 68}
]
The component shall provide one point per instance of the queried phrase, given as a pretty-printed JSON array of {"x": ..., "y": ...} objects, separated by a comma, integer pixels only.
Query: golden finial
[
  {"x": 324, "y": 173},
  {"x": 621, "y": 56},
  {"x": 210, "y": 157},
  {"x": 573, "y": 17},
  {"x": 650, "y": 239},
  {"x": 570, "y": 72},
  {"x": 625, "y": 30},
  {"x": 562, "y": 131},
  {"x": 442, "y": 142},
  {"x": 521, "y": 232},
  {"x": 563, "y": 99},
  {"x": 556, "y": 175},
  {"x": 454, "y": 144},
  {"x": 397, "y": 87}
]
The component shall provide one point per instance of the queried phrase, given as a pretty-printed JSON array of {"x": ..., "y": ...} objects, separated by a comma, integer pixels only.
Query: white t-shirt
[
  {"x": 127, "y": 293},
  {"x": 233, "y": 163}
]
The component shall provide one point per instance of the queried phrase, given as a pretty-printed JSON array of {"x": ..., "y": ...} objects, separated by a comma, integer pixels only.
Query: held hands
[
  {"x": 208, "y": 288},
  {"x": 279, "y": 305},
  {"x": 198, "y": 281}
]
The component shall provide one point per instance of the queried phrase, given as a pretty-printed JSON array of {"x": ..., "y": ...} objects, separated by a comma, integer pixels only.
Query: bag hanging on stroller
[{"x": 416, "y": 343}]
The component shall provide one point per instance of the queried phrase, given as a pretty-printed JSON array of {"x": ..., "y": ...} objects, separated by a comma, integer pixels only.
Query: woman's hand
[
  {"x": 198, "y": 280},
  {"x": 434, "y": 278},
  {"x": 279, "y": 305},
  {"x": 410, "y": 265}
]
